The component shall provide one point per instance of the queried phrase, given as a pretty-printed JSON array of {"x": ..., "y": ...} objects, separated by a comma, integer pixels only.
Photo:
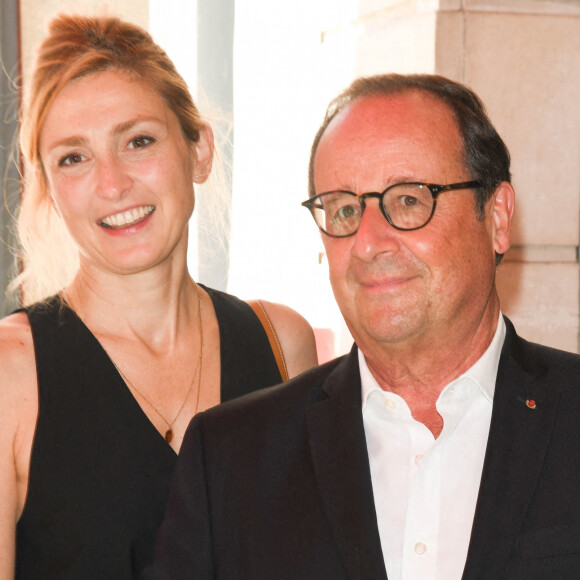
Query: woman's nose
[{"x": 113, "y": 178}]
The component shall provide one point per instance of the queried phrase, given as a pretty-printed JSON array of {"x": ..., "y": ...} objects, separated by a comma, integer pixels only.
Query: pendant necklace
[{"x": 197, "y": 373}]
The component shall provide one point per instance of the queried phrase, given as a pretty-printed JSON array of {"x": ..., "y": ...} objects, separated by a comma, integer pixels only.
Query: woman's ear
[
  {"x": 42, "y": 182},
  {"x": 203, "y": 155},
  {"x": 53, "y": 204}
]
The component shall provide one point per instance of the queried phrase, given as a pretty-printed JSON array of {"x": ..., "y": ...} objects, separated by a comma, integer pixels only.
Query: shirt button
[
  {"x": 418, "y": 458},
  {"x": 420, "y": 548},
  {"x": 390, "y": 404}
]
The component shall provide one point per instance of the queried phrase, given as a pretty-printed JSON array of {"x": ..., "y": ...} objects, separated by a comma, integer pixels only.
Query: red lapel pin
[{"x": 531, "y": 403}]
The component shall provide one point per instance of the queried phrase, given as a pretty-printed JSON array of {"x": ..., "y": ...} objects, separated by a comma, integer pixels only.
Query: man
[{"x": 444, "y": 446}]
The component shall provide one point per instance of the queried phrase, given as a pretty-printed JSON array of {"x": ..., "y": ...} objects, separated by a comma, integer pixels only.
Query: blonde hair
[{"x": 77, "y": 46}]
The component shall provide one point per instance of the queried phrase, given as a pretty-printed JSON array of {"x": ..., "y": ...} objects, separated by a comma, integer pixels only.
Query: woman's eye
[
  {"x": 71, "y": 159},
  {"x": 140, "y": 142}
]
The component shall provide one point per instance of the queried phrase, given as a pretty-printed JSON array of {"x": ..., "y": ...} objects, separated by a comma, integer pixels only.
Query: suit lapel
[
  {"x": 517, "y": 444},
  {"x": 340, "y": 460}
]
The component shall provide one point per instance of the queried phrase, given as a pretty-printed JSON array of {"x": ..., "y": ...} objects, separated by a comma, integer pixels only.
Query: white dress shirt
[{"x": 425, "y": 489}]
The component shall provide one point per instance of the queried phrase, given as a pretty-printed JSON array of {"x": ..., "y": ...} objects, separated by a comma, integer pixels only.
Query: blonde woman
[{"x": 98, "y": 382}]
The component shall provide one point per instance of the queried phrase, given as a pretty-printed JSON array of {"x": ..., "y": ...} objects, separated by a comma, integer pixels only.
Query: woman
[{"x": 99, "y": 382}]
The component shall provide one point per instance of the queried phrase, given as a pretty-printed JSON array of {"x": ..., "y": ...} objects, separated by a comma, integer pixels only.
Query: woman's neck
[{"x": 151, "y": 306}]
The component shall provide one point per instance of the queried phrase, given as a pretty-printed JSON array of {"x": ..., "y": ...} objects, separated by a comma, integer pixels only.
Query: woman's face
[{"x": 120, "y": 171}]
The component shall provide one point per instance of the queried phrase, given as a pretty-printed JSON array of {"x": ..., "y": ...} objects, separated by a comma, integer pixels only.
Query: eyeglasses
[{"x": 406, "y": 206}]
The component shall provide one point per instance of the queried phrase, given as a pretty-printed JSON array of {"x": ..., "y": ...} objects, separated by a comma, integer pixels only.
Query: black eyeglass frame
[{"x": 434, "y": 189}]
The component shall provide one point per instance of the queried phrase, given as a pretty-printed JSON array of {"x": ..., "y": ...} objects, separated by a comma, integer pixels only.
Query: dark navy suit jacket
[{"x": 276, "y": 485}]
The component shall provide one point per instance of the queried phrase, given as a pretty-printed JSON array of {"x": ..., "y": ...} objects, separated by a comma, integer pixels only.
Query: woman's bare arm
[
  {"x": 18, "y": 410},
  {"x": 296, "y": 337}
]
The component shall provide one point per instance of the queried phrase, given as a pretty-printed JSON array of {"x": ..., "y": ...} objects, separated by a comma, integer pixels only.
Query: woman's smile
[{"x": 129, "y": 217}]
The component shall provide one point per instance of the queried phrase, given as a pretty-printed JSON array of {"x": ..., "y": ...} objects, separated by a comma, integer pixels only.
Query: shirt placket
[{"x": 422, "y": 522}]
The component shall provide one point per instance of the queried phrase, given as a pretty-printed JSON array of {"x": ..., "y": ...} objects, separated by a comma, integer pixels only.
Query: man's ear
[
  {"x": 203, "y": 155},
  {"x": 502, "y": 211}
]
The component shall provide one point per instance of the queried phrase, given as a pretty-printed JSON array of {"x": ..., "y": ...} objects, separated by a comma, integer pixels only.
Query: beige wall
[{"x": 523, "y": 58}]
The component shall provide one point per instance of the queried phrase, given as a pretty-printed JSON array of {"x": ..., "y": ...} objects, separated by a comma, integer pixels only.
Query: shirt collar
[{"x": 483, "y": 373}]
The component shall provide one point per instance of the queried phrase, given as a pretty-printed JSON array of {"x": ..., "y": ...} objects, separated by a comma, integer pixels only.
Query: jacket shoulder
[
  {"x": 559, "y": 366},
  {"x": 298, "y": 392}
]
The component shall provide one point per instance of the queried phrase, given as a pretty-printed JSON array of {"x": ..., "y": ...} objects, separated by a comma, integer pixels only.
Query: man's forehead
[
  {"x": 379, "y": 111},
  {"x": 400, "y": 136}
]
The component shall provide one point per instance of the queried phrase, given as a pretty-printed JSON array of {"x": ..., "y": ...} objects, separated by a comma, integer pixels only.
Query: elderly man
[{"x": 444, "y": 446}]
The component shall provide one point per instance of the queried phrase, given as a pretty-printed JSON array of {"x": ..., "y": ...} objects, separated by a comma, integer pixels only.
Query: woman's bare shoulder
[
  {"x": 296, "y": 337},
  {"x": 18, "y": 385},
  {"x": 15, "y": 336},
  {"x": 17, "y": 363}
]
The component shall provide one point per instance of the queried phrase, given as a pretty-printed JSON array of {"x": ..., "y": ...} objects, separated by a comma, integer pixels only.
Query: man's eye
[
  {"x": 345, "y": 213},
  {"x": 140, "y": 142},
  {"x": 71, "y": 159},
  {"x": 408, "y": 201}
]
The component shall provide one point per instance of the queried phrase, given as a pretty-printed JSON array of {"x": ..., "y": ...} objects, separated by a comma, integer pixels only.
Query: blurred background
[{"x": 263, "y": 72}]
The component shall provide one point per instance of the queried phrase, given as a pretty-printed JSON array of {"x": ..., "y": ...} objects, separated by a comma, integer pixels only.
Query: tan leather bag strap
[{"x": 258, "y": 308}]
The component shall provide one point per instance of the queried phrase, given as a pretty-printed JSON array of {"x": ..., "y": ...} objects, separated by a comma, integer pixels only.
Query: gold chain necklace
[{"x": 198, "y": 367}]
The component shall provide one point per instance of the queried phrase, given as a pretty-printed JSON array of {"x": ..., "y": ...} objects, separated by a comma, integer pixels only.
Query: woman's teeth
[{"x": 128, "y": 217}]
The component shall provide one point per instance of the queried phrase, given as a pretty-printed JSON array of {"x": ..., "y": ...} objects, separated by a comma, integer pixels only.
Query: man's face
[{"x": 408, "y": 287}]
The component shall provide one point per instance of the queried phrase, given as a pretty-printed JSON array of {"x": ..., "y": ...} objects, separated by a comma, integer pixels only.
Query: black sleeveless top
[{"x": 99, "y": 470}]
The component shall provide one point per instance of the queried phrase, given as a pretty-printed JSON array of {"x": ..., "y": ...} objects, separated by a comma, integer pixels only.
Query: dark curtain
[{"x": 9, "y": 108}]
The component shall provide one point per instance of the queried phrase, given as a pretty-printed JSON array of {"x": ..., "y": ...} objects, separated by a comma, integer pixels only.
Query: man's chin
[{"x": 386, "y": 326}]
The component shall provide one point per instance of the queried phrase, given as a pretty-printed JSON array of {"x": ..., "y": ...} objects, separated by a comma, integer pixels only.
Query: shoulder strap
[{"x": 260, "y": 311}]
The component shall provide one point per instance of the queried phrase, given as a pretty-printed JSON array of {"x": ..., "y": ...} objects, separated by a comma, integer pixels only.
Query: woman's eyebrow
[
  {"x": 78, "y": 140},
  {"x": 128, "y": 125}
]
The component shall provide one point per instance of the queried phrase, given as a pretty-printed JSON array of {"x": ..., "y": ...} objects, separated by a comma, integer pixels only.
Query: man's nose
[
  {"x": 375, "y": 235},
  {"x": 113, "y": 178}
]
